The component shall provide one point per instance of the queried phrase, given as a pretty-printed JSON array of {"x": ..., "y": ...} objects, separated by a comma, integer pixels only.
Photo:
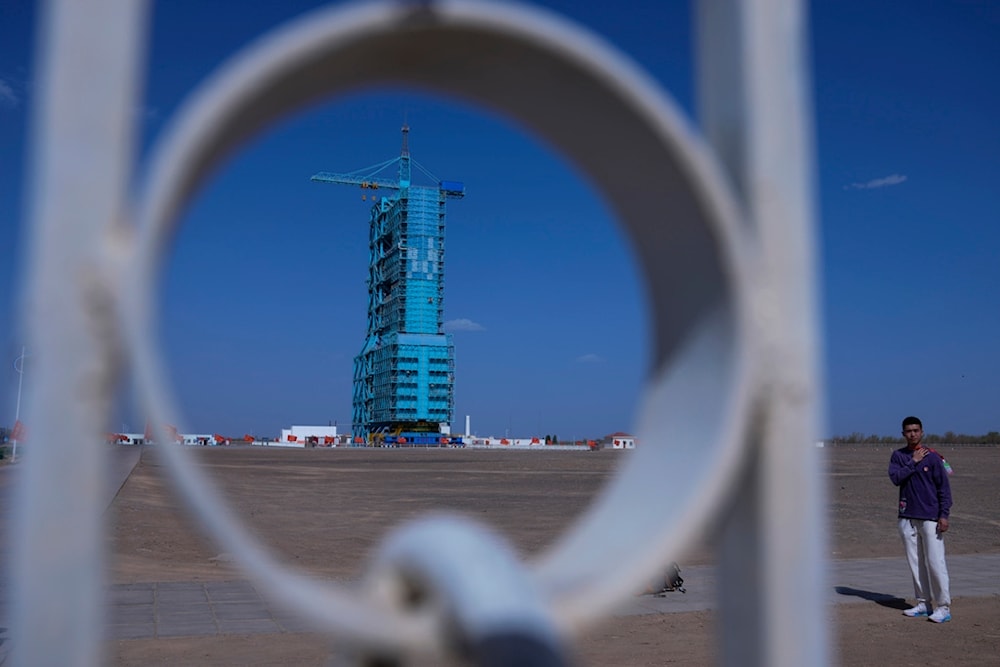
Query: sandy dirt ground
[{"x": 324, "y": 511}]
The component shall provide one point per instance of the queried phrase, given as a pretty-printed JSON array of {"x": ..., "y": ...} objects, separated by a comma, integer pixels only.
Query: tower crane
[{"x": 368, "y": 178}]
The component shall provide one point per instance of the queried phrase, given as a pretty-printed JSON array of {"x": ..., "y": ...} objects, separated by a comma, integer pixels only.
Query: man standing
[{"x": 924, "y": 505}]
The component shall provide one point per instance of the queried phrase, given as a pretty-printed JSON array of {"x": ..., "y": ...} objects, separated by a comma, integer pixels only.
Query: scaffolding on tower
[{"x": 404, "y": 376}]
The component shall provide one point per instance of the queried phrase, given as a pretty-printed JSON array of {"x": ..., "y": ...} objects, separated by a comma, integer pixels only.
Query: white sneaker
[
  {"x": 919, "y": 610},
  {"x": 941, "y": 615}
]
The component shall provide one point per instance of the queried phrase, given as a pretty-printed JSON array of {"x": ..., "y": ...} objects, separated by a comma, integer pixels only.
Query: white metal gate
[{"x": 734, "y": 393}]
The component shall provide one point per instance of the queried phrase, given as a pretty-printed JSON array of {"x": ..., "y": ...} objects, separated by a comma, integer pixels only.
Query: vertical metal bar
[
  {"x": 82, "y": 139},
  {"x": 783, "y": 203},
  {"x": 754, "y": 107}
]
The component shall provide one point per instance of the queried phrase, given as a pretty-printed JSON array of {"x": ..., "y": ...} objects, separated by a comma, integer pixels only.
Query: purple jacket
[{"x": 924, "y": 491}]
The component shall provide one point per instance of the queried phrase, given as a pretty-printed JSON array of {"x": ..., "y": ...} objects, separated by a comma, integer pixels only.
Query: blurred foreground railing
[{"x": 724, "y": 236}]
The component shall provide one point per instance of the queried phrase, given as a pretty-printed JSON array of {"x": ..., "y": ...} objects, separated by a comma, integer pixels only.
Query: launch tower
[{"x": 404, "y": 375}]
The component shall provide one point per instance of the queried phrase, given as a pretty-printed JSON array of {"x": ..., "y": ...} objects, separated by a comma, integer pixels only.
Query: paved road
[
  {"x": 234, "y": 607},
  {"x": 173, "y": 609},
  {"x": 882, "y": 580}
]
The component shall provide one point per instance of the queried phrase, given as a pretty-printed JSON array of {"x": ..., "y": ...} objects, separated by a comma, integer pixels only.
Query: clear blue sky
[{"x": 264, "y": 300}]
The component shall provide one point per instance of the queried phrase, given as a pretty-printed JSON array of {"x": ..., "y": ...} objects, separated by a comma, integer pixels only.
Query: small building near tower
[
  {"x": 619, "y": 440},
  {"x": 308, "y": 436}
]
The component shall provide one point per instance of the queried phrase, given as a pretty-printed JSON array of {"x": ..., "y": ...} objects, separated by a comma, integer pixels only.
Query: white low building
[
  {"x": 308, "y": 436},
  {"x": 149, "y": 438},
  {"x": 619, "y": 440}
]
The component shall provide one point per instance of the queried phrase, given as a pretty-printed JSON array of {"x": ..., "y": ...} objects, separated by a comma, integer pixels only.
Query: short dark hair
[{"x": 912, "y": 420}]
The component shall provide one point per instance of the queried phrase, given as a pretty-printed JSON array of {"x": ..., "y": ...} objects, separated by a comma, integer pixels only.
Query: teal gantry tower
[{"x": 404, "y": 376}]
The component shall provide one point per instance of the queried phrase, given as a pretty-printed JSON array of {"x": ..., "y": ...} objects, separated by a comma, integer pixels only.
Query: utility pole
[{"x": 19, "y": 367}]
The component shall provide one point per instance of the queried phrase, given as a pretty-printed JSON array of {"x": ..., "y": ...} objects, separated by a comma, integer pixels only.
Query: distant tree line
[{"x": 947, "y": 438}]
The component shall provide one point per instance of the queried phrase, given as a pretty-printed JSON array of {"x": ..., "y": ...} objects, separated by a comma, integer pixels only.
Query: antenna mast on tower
[{"x": 404, "y": 158}]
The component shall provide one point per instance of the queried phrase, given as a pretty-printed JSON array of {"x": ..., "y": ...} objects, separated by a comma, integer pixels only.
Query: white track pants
[{"x": 925, "y": 555}]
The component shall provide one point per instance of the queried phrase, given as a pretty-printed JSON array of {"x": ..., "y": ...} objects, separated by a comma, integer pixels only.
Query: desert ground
[{"x": 325, "y": 510}]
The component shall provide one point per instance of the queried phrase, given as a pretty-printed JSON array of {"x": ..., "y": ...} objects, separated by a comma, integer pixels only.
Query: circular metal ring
[{"x": 613, "y": 122}]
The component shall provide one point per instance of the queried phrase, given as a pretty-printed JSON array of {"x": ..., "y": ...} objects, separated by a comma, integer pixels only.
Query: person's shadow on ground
[{"x": 883, "y": 599}]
